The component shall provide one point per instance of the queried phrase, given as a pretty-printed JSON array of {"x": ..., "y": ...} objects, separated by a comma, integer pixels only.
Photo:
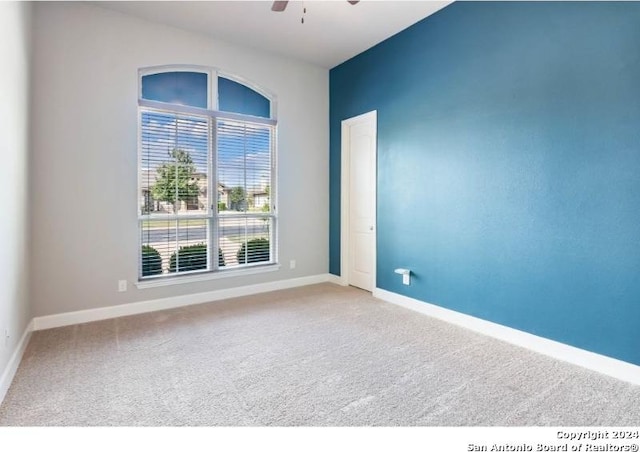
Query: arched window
[{"x": 206, "y": 173}]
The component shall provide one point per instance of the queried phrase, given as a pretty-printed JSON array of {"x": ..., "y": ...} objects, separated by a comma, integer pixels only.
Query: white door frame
[{"x": 344, "y": 196}]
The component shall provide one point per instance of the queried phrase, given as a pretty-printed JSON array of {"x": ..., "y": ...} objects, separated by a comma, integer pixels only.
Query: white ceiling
[{"x": 333, "y": 31}]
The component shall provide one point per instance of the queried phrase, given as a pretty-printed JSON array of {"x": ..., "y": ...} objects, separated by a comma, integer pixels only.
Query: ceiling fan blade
[
  {"x": 353, "y": 2},
  {"x": 279, "y": 6}
]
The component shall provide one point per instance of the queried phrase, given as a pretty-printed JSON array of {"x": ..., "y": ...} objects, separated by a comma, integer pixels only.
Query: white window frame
[{"x": 211, "y": 215}]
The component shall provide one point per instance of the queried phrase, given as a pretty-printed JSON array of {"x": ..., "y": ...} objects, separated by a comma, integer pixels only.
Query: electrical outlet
[
  {"x": 6, "y": 337},
  {"x": 122, "y": 285},
  {"x": 292, "y": 264}
]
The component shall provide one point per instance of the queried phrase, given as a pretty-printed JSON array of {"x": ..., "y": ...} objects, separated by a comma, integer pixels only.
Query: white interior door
[{"x": 360, "y": 146}]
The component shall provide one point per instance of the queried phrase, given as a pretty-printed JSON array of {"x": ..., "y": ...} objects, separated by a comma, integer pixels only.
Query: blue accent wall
[{"x": 508, "y": 165}]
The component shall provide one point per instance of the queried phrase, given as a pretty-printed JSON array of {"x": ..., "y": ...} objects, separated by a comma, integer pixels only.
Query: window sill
[{"x": 176, "y": 280}]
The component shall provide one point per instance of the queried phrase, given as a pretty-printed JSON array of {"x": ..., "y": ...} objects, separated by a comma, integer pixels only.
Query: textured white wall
[
  {"x": 84, "y": 153},
  {"x": 14, "y": 144}
]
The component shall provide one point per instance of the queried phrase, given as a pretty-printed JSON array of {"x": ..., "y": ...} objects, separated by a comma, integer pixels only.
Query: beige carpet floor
[{"x": 316, "y": 356}]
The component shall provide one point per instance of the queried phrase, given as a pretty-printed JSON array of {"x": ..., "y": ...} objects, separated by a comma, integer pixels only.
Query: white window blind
[
  {"x": 174, "y": 174},
  {"x": 245, "y": 184}
]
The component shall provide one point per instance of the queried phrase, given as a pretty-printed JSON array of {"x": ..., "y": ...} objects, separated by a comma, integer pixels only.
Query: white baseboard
[
  {"x": 110, "y": 312},
  {"x": 593, "y": 361},
  {"x": 339, "y": 280},
  {"x": 14, "y": 362}
]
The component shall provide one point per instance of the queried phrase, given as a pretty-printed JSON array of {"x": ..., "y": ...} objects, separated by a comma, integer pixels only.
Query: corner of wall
[{"x": 15, "y": 309}]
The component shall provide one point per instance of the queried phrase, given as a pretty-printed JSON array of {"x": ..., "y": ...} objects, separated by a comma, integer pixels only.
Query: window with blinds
[{"x": 206, "y": 178}]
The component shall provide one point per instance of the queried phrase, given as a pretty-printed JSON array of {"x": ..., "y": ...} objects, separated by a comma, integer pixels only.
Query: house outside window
[{"x": 206, "y": 173}]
